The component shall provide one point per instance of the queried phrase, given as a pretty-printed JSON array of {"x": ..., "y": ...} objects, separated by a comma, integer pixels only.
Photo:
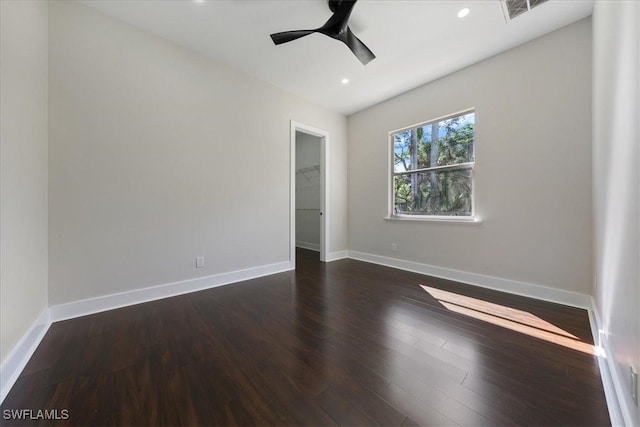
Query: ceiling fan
[{"x": 337, "y": 27}]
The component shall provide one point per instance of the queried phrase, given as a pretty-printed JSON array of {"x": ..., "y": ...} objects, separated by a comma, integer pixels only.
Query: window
[{"x": 432, "y": 168}]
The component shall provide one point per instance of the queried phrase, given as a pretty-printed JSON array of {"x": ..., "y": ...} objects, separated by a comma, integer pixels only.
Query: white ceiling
[{"x": 415, "y": 41}]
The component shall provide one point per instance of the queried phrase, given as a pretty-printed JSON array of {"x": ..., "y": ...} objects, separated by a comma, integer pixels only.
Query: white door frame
[{"x": 324, "y": 188}]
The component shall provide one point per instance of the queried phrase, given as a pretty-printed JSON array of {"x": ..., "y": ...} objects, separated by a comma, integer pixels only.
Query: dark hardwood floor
[{"x": 345, "y": 343}]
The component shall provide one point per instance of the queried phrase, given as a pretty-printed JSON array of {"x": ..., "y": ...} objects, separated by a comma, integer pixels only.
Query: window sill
[{"x": 448, "y": 219}]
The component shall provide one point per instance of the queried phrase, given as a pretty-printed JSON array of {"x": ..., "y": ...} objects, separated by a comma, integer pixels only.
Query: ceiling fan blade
[
  {"x": 359, "y": 49},
  {"x": 287, "y": 36}
]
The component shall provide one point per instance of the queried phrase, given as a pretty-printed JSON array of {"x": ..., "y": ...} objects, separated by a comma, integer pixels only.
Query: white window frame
[{"x": 392, "y": 215}]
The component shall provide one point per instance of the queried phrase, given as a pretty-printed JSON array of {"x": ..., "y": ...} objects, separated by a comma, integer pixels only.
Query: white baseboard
[
  {"x": 123, "y": 299},
  {"x": 332, "y": 256},
  {"x": 540, "y": 292},
  {"x": 338, "y": 255},
  {"x": 619, "y": 410},
  {"x": 17, "y": 359},
  {"x": 309, "y": 245}
]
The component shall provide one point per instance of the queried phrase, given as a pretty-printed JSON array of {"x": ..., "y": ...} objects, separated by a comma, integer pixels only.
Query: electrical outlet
[
  {"x": 394, "y": 247},
  {"x": 601, "y": 338},
  {"x": 199, "y": 262},
  {"x": 633, "y": 384}
]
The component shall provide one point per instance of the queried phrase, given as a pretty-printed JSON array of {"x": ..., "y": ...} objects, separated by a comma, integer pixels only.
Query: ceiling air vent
[{"x": 513, "y": 8}]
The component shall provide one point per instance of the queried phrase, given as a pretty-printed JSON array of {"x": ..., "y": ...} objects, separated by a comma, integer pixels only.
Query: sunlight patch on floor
[{"x": 507, "y": 317}]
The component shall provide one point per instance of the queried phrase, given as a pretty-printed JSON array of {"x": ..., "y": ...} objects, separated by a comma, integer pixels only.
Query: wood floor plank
[
  {"x": 341, "y": 343},
  {"x": 424, "y": 414},
  {"x": 342, "y": 410},
  {"x": 371, "y": 404}
]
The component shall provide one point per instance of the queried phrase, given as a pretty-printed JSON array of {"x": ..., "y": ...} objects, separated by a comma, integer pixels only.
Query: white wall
[
  {"x": 533, "y": 167},
  {"x": 308, "y": 191},
  {"x": 159, "y": 155},
  {"x": 23, "y": 171},
  {"x": 616, "y": 182}
]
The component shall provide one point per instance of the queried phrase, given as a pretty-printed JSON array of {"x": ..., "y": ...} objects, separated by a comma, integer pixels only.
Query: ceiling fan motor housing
[{"x": 334, "y": 4}]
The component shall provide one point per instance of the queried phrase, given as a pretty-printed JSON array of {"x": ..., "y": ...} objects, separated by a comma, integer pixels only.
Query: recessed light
[
  {"x": 463, "y": 12},
  {"x": 345, "y": 81},
  {"x": 198, "y": 1}
]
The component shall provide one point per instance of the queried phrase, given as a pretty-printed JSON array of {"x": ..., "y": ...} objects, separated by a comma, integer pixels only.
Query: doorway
[{"x": 309, "y": 190}]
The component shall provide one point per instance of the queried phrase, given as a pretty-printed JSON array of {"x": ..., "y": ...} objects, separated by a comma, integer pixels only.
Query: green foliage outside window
[{"x": 426, "y": 177}]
